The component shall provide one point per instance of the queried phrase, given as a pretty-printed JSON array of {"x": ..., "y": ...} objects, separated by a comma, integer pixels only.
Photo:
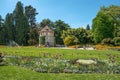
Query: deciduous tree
[
  {"x": 59, "y": 26},
  {"x": 102, "y": 27}
]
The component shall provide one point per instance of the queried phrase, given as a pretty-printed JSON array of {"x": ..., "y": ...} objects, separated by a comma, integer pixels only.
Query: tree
[
  {"x": 2, "y": 32},
  {"x": 114, "y": 12},
  {"x": 10, "y": 29},
  {"x": 46, "y": 22},
  {"x": 59, "y": 27},
  {"x": 102, "y": 27},
  {"x": 88, "y": 27},
  {"x": 21, "y": 24},
  {"x": 31, "y": 13},
  {"x": 33, "y": 36},
  {"x": 1, "y": 22},
  {"x": 81, "y": 34},
  {"x": 90, "y": 37},
  {"x": 68, "y": 32},
  {"x": 70, "y": 40}
]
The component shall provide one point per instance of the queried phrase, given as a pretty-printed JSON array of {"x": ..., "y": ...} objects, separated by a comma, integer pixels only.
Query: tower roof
[{"x": 46, "y": 28}]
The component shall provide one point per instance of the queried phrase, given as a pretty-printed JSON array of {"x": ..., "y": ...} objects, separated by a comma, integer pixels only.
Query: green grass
[
  {"x": 18, "y": 73},
  {"x": 63, "y": 53}
]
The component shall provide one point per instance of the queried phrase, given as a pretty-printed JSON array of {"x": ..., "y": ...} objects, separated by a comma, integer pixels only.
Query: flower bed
[{"x": 50, "y": 65}]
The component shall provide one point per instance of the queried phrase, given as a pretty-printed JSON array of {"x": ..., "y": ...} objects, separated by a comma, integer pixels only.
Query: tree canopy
[
  {"x": 20, "y": 26},
  {"x": 106, "y": 24}
]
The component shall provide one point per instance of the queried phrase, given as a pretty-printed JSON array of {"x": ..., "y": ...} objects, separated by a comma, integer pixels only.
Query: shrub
[
  {"x": 116, "y": 49},
  {"x": 32, "y": 42},
  {"x": 102, "y": 47},
  {"x": 70, "y": 40},
  {"x": 1, "y": 58},
  {"x": 107, "y": 41},
  {"x": 116, "y": 41}
]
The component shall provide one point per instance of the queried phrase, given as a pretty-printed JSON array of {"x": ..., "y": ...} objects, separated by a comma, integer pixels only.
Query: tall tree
[
  {"x": 114, "y": 12},
  {"x": 2, "y": 31},
  {"x": 10, "y": 29},
  {"x": 21, "y": 24},
  {"x": 59, "y": 26},
  {"x": 1, "y": 23},
  {"x": 102, "y": 27},
  {"x": 88, "y": 27},
  {"x": 31, "y": 13}
]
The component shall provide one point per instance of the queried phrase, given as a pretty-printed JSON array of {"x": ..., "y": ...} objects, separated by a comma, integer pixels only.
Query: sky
[{"x": 76, "y": 13}]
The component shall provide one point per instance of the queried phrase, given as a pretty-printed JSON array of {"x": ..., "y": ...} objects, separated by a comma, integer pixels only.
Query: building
[{"x": 48, "y": 34}]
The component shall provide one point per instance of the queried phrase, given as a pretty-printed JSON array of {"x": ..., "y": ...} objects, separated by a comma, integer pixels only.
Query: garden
[{"x": 62, "y": 61}]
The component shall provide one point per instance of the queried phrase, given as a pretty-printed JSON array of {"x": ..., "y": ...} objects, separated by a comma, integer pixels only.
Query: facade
[{"x": 49, "y": 36}]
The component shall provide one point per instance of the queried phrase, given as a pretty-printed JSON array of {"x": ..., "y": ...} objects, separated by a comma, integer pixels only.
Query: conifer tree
[{"x": 21, "y": 24}]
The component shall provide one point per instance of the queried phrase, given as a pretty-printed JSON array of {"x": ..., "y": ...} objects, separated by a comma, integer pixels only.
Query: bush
[
  {"x": 1, "y": 58},
  {"x": 107, "y": 41},
  {"x": 32, "y": 42},
  {"x": 116, "y": 49},
  {"x": 70, "y": 40},
  {"x": 102, "y": 47},
  {"x": 116, "y": 41}
]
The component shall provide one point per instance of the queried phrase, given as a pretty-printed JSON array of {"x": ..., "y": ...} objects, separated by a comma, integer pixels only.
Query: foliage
[
  {"x": 107, "y": 23},
  {"x": 31, "y": 13},
  {"x": 102, "y": 27},
  {"x": 1, "y": 22},
  {"x": 21, "y": 24},
  {"x": 59, "y": 26},
  {"x": 70, "y": 40},
  {"x": 46, "y": 22},
  {"x": 113, "y": 12},
  {"x": 88, "y": 27},
  {"x": 107, "y": 47},
  {"x": 42, "y": 40},
  {"x": 2, "y": 31},
  {"x": 107, "y": 41},
  {"x": 16, "y": 26},
  {"x": 65, "y": 66},
  {"x": 83, "y": 36},
  {"x": 116, "y": 41},
  {"x": 33, "y": 36},
  {"x": 32, "y": 42},
  {"x": 10, "y": 28}
]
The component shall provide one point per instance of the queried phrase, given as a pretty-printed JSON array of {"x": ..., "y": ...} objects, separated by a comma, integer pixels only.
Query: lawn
[
  {"x": 18, "y": 73},
  {"x": 61, "y": 53},
  {"x": 22, "y": 73}
]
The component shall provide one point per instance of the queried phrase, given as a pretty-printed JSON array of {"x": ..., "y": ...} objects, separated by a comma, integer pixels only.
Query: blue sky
[{"x": 77, "y": 13}]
